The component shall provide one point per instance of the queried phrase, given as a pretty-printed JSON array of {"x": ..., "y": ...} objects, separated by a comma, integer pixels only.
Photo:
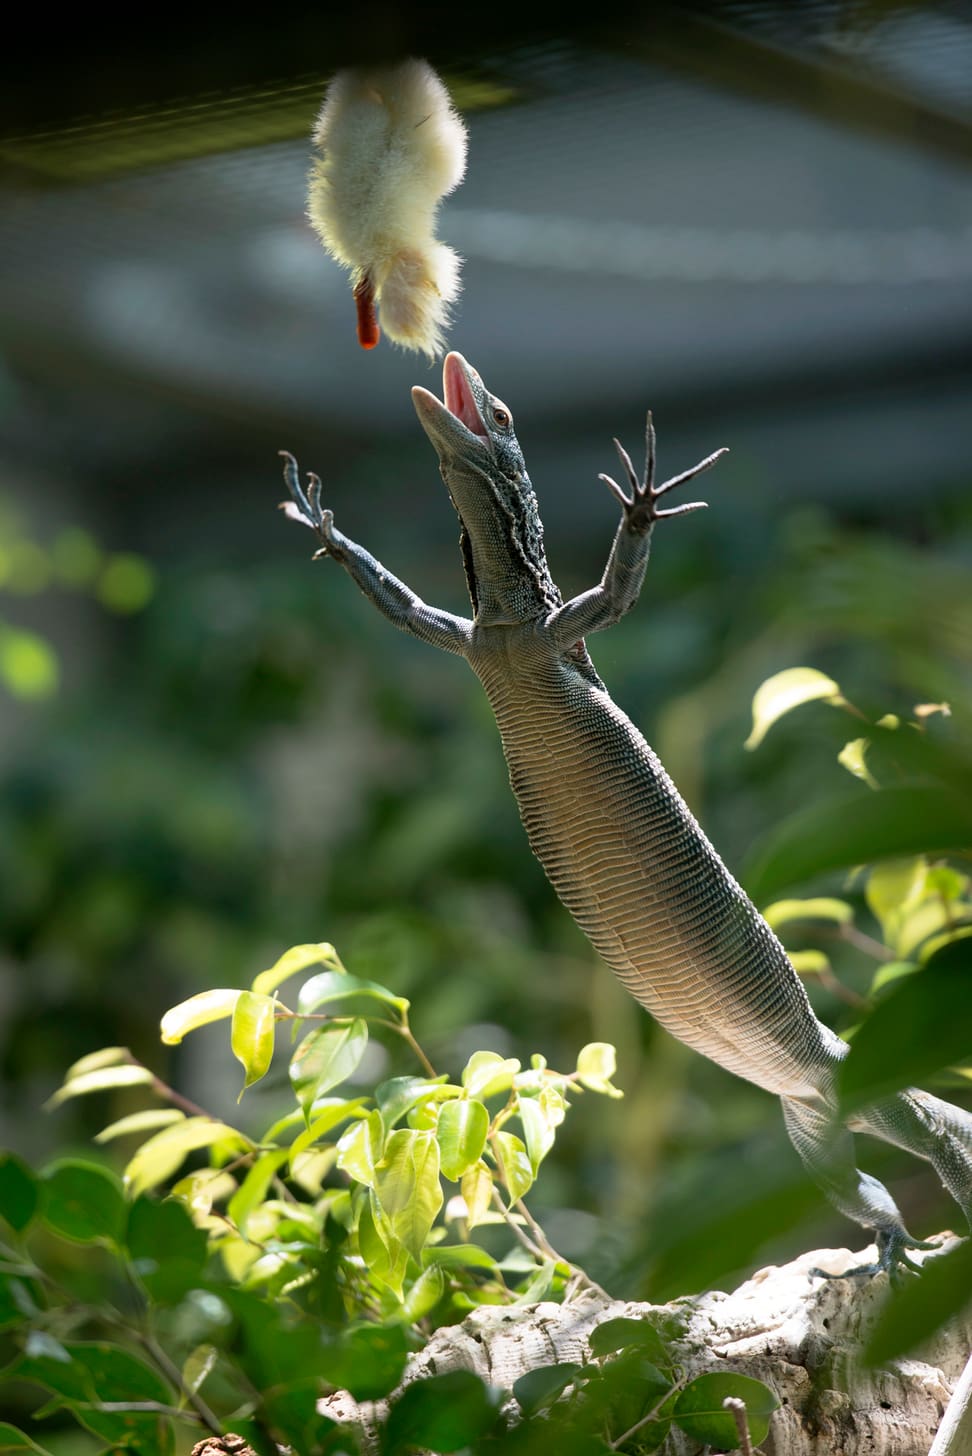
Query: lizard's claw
[
  {"x": 305, "y": 506},
  {"x": 892, "y": 1246},
  {"x": 641, "y": 508}
]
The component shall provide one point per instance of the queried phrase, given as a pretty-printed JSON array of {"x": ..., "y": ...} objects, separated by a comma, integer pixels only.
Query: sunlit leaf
[
  {"x": 408, "y": 1187},
  {"x": 385, "y": 1256},
  {"x": 101, "y": 1081},
  {"x": 19, "y": 1192},
  {"x": 785, "y": 912},
  {"x": 441, "y": 1413},
  {"x": 327, "y": 1056},
  {"x": 893, "y": 887},
  {"x": 168, "y": 1149},
  {"x": 252, "y": 1034},
  {"x": 200, "y": 1190},
  {"x": 83, "y": 1202},
  {"x": 809, "y": 962},
  {"x": 93, "y": 1061},
  {"x": 486, "y": 1074},
  {"x": 596, "y": 1065},
  {"x": 698, "y": 1408},
  {"x": 477, "y": 1193},
  {"x": 890, "y": 972},
  {"x": 147, "y": 1121},
  {"x": 298, "y": 958},
  {"x": 858, "y": 828},
  {"x": 399, "y": 1095},
  {"x": 785, "y": 691},
  {"x": 513, "y": 1161},
  {"x": 327, "y": 1115},
  {"x": 360, "y": 1147},
  {"x": 461, "y": 1132},
  {"x": 198, "y": 1011},
  {"x": 538, "y": 1129},
  {"x": 853, "y": 757},
  {"x": 908, "y": 1036},
  {"x": 332, "y": 986},
  {"x": 946, "y": 882}
]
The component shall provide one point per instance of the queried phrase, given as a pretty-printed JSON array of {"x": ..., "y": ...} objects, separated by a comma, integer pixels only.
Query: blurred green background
[{"x": 755, "y": 219}]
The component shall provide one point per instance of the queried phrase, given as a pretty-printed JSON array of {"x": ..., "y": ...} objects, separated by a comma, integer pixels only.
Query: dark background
[{"x": 756, "y": 219}]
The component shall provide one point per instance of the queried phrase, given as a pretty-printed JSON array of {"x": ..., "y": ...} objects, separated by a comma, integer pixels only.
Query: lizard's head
[
  {"x": 472, "y": 427},
  {"x": 482, "y": 465}
]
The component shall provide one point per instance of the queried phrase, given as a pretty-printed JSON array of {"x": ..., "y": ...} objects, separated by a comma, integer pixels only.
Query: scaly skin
[{"x": 617, "y": 841}]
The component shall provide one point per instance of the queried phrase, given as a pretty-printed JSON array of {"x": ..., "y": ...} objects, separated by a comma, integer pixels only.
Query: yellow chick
[{"x": 392, "y": 146}]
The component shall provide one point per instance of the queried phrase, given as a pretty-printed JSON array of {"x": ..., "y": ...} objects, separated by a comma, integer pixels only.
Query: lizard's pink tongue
[{"x": 458, "y": 397}]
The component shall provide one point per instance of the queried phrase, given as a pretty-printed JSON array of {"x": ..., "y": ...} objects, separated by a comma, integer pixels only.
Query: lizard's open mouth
[
  {"x": 451, "y": 424},
  {"x": 459, "y": 399}
]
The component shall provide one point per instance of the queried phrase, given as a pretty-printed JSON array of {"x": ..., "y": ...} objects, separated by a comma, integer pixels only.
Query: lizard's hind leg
[
  {"x": 827, "y": 1151},
  {"x": 928, "y": 1128}
]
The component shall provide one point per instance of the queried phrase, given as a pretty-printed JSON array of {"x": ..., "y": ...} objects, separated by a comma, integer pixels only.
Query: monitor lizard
[{"x": 617, "y": 841}]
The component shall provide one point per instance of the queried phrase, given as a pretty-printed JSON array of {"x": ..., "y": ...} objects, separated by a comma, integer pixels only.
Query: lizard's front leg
[
  {"x": 396, "y": 601},
  {"x": 620, "y": 585}
]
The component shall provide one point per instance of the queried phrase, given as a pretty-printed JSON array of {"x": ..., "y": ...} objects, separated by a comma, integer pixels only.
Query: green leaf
[
  {"x": 359, "y": 1149},
  {"x": 399, "y": 1095},
  {"x": 166, "y": 1249},
  {"x": 477, "y": 1193},
  {"x": 917, "y": 1309},
  {"x": 367, "y": 1362},
  {"x": 630, "y": 1334},
  {"x": 384, "y": 1255},
  {"x": 253, "y": 1190},
  {"x": 425, "y": 1293},
  {"x": 783, "y": 692},
  {"x": 298, "y": 958},
  {"x": 785, "y": 912},
  {"x": 13, "y": 1440},
  {"x": 698, "y": 1408},
  {"x": 459, "y": 1256},
  {"x": 329, "y": 1113},
  {"x": 461, "y": 1133},
  {"x": 18, "y": 1192},
  {"x": 326, "y": 1057},
  {"x": 893, "y": 887},
  {"x": 100, "y": 1081},
  {"x": 332, "y": 986},
  {"x": 442, "y": 1413},
  {"x": 83, "y": 1202},
  {"x": 923, "y": 1025},
  {"x": 168, "y": 1149},
  {"x": 408, "y": 1187},
  {"x": 515, "y": 1168},
  {"x": 198, "y": 1011},
  {"x": 252, "y": 1035},
  {"x": 809, "y": 962},
  {"x": 853, "y": 757},
  {"x": 540, "y": 1387},
  {"x": 596, "y": 1064},
  {"x": 94, "y": 1061},
  {"x": 890, "y": 972},
  {"x": 858, "y": 828},
  {"x": 82, "y": 1372},
  {"x": 196, "y": 1367},
  {"x": 151, "y": 1118},
  {"x": 28, "y": 665},
  {"x": 486, "y": 1074}
]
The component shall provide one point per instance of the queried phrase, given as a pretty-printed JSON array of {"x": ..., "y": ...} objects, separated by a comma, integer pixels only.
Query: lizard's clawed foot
[
  {"x": 892, "y": 1259},
  {"x": 305, "y": 506},
  {"x": 641, "y": 508}
]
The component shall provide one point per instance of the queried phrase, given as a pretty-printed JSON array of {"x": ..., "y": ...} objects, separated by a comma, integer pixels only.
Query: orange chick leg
[{"x": 364, "y": 297}]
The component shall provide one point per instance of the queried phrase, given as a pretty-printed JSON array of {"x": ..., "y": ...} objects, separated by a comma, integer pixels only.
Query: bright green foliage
[{"x": 305, "y": 1259}]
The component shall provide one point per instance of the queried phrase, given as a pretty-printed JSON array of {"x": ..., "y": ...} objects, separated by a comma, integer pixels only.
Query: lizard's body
[{"x": 617, "y": 841}]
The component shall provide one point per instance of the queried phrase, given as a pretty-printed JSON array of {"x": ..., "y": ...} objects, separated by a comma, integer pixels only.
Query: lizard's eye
[{"x": 501, "y": 417}]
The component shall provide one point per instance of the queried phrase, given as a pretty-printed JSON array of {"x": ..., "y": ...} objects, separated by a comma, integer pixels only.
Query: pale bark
[{"x": 799, "y": 1333}]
